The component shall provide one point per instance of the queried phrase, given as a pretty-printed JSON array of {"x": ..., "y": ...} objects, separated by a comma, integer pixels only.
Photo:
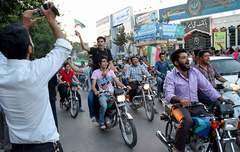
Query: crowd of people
[{"x": 28, "y": 89}]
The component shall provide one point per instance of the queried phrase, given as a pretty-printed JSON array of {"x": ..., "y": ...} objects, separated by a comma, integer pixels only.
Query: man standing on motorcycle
[
  {"x": 211, "y": 74},
  {"x": 161, "y": 68},
  {"x": 104, "y": 83},
  {"x": 181, "y": 86}
]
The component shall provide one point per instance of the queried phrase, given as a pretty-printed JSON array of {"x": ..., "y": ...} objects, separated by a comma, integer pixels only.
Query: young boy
[{"x": 104, "y": 83}]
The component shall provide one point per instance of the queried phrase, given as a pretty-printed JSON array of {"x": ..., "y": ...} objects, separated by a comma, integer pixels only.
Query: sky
[{"x": 90, "y": 11}]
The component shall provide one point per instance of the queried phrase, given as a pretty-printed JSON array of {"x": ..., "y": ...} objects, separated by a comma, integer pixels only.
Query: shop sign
[
  {"x": 219, "y": 38},
  {"x": 145, "y": 18},
  {"x": 198, "y": 8},
  {"x": 197, "y": 24},
  {"x": 121, "y": 17},
  {"x": 145, "y": 32},
  {"x": 174, "y": 41},
  {"x": 102, "y": 21}
]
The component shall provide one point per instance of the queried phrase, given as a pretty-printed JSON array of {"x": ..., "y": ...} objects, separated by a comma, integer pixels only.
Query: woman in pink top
[{"x": 236, "y": 53}]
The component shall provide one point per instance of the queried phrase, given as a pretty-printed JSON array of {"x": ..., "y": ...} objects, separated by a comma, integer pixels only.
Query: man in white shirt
[{"x": 24, "y": 85}]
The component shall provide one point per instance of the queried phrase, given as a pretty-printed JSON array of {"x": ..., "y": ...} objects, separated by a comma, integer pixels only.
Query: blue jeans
[
  {"x": 53, "y": 105},
  {"x": 206, "y": 100},
  {"x": 92, "y": 100},
  {"x": 125, "y": 81},
  {"x": 103, "y": 100},
  {"x": 159, "y": 87}
]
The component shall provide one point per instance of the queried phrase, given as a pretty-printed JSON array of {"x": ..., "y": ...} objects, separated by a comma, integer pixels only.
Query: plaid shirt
[
  {"x": 136, "y": 72},
  {"x": 211, "y": 74}
]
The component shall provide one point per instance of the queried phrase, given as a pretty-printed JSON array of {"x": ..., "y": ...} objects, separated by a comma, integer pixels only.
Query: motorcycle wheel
[
  {"x": 149, "y": 110},
  {"x": 128, "y": 131},
  {"x": 74, "y": 109},
  {"x": 238, "y": 137}
]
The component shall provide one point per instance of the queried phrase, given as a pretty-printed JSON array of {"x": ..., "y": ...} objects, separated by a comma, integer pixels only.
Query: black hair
[
  {"x": 175, "y": 55},
  {"x": 140, "y": 59},
  {"x": 212, "y": 48},
  {"x": 196, "y": 52},
  {"x": 201, "y": 53},
  {"x": 217, "y": 51},
  {"x": 65, "y": 64},
  {"x": 133, "y": 57},
  {"x": 161, "y": 54},
  {"x": 90, "y": 57},
  {"x": 231, "y": 50},
  {"x": 101, "y": 58},
  {"x": 42, "y": 56},
  {"x": 14, "y": 41},
  {"x": 100, "y": 37}
]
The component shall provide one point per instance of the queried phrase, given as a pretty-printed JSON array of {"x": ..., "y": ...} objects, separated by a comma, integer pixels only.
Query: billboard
[
  {"x": 145, "y": 31},
  {"x": 121, "y": 16},
  {"x": 145, "y": 18},
  {"x": 169, "y": 30},
  {"x": 198, "y": 8},
  {"x": 158, "y": 30},
  {"x": 219, "y": 38},
  {"x": 197, "y": 24}
]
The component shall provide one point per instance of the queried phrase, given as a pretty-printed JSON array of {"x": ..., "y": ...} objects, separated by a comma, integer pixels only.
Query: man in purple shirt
[{"x": 181, "y": 86}]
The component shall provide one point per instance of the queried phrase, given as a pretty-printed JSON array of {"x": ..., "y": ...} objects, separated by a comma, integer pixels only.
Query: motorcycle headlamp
[
  {"x": 234, "y": 86},
  {"x": 121, "y": 98},
  {"x": 146, "y": 86},
  {"x": 230, "y": 124}
]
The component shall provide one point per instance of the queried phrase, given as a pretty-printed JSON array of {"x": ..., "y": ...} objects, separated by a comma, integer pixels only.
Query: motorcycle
[
  {"x": 144, "y": 97},
  {"x": 117, "y": 113},
  {"x": 208, "y": 133},
  {"x": 71, "y": 101},
  {"x": 230, "y": 90}
]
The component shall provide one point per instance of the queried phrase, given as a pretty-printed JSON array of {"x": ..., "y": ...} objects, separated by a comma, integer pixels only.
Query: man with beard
[
  {"x": 24, "y": 84},
  {"x": 211, "y": 75},
  {"x": 181, "y": 86}
]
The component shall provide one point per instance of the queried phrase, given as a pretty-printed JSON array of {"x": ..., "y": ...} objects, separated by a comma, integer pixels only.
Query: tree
[
  {"x": 123, "y": 39},
  {"x": 12, "y": 10}
]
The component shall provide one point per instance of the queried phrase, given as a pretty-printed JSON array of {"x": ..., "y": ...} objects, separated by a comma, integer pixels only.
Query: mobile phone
[{"x": 45, "y": 6}]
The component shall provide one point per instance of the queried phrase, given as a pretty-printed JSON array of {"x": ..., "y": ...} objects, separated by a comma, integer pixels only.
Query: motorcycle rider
[
  {"x": 181, "y": 86},
  {"x": 211, "y": 74},
  {"x": 67, "y": 75},
  {"x": 135, "y": 71},
  {"x": 91, "y": 96},
  {"x": 161, "y": 67},
  {"x": 104, "y": 83}
]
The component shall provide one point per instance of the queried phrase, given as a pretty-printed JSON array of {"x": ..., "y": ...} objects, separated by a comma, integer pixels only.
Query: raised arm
[
  {"x": 76, "y": 69},
  {"x": 86, "y": 48}
]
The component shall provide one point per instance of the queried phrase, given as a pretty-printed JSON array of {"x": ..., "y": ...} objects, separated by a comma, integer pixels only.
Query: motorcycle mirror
[{"x": 239, "y": 75}]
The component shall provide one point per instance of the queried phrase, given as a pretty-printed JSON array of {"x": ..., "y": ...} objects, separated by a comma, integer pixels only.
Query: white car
[{"x": 227, "y": 67}]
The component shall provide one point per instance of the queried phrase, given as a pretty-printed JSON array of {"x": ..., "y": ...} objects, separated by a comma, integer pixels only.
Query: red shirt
[{"x": 67, "y": 77}]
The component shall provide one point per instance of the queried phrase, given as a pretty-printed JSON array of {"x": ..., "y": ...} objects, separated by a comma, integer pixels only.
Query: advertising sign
[
  {"x": 145, "y": 32},
  {"x": 219, "y": 38},
  {"x": 198, "y": 8},
  {"x": 169, "y": 30},
  {"x": 121, "y": 17},
  {"x": 158, "y": 30},
  {"x": 174, "y": 41},
  {"x": 197, "y": 24},
  {"x": 146, "y": 18}
]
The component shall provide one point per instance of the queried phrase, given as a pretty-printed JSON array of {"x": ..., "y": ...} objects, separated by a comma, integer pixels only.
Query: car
[{"x": 227, "y": 67}]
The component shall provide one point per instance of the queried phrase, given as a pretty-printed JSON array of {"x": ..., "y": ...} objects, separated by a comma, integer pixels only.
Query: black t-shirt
[
  {"x": 51, "y": 86},
  {"x": 97, "y": 53}
]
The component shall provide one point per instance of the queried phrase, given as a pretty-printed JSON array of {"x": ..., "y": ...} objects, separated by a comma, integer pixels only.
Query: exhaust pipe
[{"x": 164, "y": 140}]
